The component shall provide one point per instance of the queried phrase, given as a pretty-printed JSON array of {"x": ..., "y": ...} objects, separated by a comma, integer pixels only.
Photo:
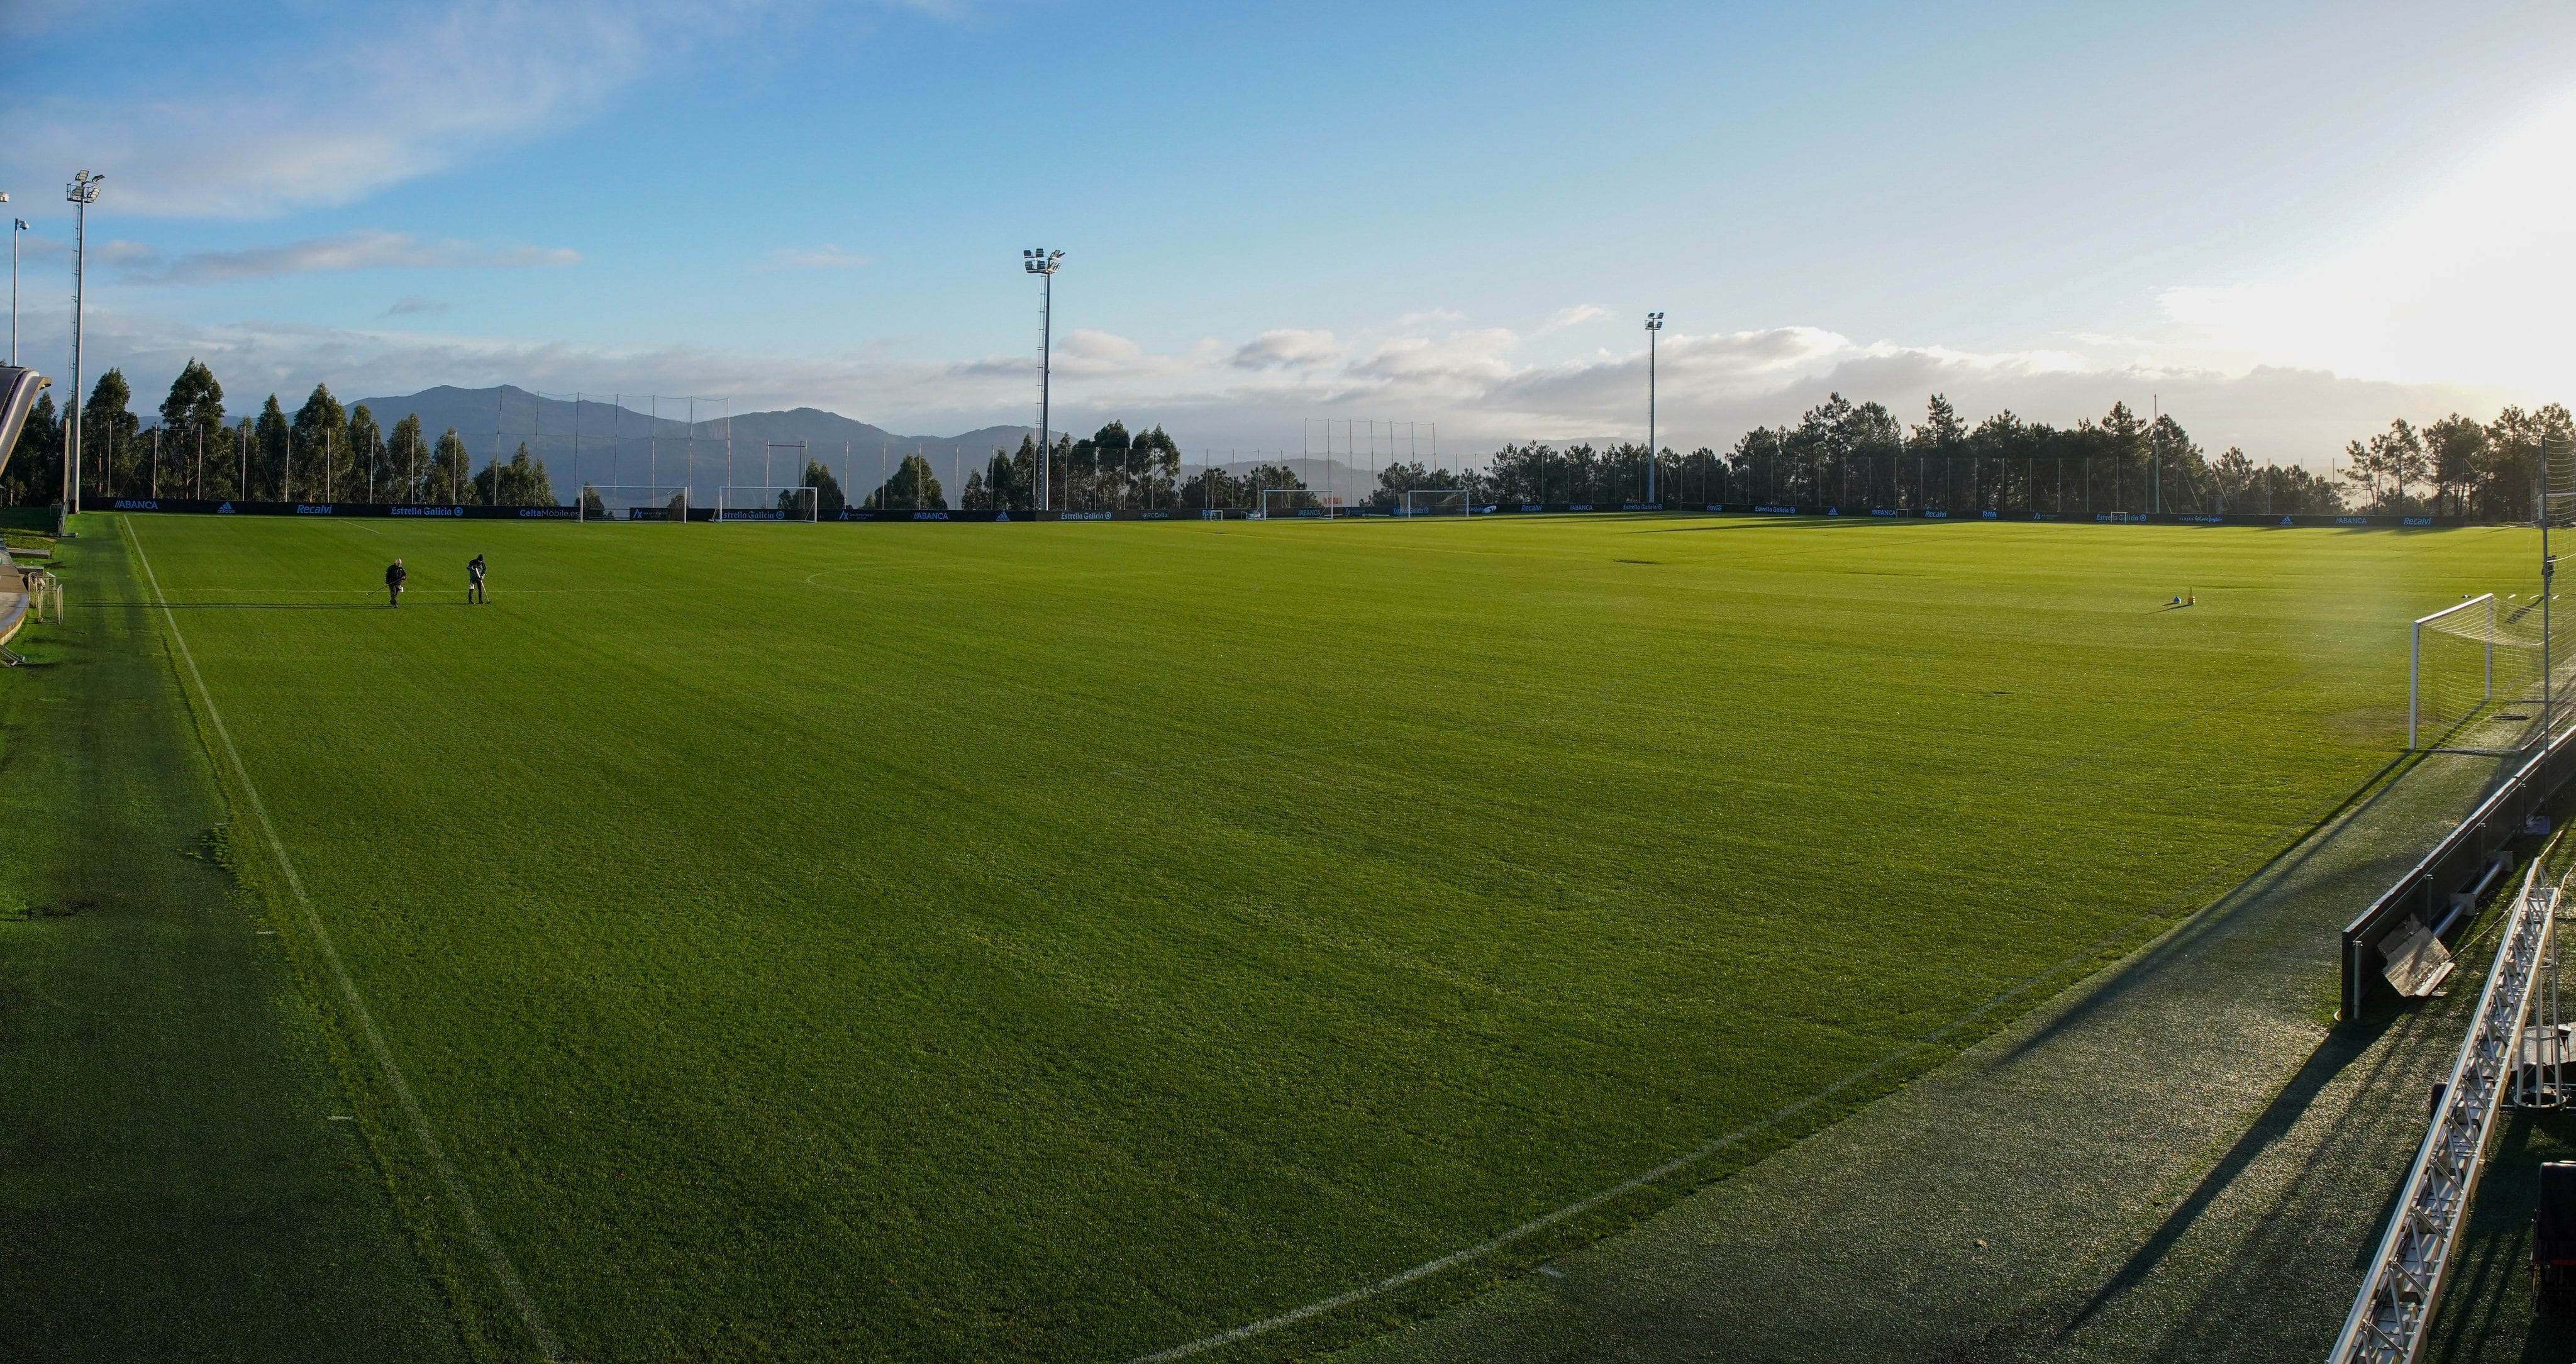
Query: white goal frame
[
  {"x": 2415, "y": 658},
  {"x": 655, "y": 495},
  {"x": 731, "y": 505},
  {"x": 1328, "y": 506},
  {"x": 1466, "y": 505}
]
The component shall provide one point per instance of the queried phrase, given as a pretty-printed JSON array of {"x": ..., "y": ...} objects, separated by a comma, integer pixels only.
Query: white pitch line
[
  {"x": 1627, "y": 1186},
  {"x": 1681, "y": 1162},
  {"x": 474, "y": 1224}
]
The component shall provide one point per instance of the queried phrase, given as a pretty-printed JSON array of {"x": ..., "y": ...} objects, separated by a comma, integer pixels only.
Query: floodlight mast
[
  {"x": 1044, "y": 263},
  {"x": 82, "y": 192},
  {"x": 16, "y": 226},
  {"x": 1654, "y": 326}
]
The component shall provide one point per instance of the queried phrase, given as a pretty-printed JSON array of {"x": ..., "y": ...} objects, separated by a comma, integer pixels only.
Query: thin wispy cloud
[
  {"x": 828, "y": 256},
  {"x": 372, "y": 96},
  {"x": 1287, "y": 348},
  {"x": 383, "y": 97},
  {"x": 137, "y": 264},
  {"x": 412, "y": 305},
  {"x": 1575, "y": 316}
]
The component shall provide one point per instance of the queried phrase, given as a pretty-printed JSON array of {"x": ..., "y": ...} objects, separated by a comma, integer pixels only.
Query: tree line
[
  {"x": 1844, "y": 454},
  {"x": 1839, "y": 453},
  {"x": 1860, "y": 456},
  {"x": 321, "y": 452}
]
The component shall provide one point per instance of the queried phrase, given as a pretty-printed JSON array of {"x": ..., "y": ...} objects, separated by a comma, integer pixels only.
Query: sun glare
[{"x": 2472, "y": 283}]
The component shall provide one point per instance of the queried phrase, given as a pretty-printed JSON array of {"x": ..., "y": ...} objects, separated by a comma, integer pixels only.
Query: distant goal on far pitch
[
  {"x": 738, "y": 502},
  {"x": 2477, "y": 675},
  {"x": 1436, "y": 502},
  {"x": 1302, "y": 504},
  {"x": 632, "y": 502}
]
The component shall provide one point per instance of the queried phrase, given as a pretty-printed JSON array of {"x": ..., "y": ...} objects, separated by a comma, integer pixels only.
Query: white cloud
[
  {"x": 377, "y": 250},
  {"x": 2471, "y": 283},
  {"x": 828, "y": 256},
  {"x": 1468, "y": 383},
  {"x": 411, "y": 304},
  {"x": 1288, "y": 348},
  {"x": 1089, "y": 354},
  {"x": 1459, "y": 363}
]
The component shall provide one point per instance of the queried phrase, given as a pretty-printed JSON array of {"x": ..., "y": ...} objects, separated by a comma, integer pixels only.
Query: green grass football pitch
[{"x": 1068, "y": 942}]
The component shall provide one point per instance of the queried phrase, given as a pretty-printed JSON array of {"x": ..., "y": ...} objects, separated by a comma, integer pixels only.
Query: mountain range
[
  {"x": 606, "y": 442},
  {"x": 641, "y": 441}
]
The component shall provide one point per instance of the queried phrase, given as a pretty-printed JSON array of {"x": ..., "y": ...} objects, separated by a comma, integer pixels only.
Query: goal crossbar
[{"x": 748, "y": 502}]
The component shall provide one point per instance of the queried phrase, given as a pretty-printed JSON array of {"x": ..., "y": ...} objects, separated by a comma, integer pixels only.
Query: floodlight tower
[
  {"x": 82, "y": 192},
  {"x": 1654, "y": 326},
  {"x": 16, "y": 226},
  {"x": 1043, "y": 264}
]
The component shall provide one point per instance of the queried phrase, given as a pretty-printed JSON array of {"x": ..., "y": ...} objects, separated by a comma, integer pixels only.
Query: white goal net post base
[
  {"x": 1437, "y": 502},
  {"x": 631, "y": 502},
  {"x": 1302, "y": 504},
  {"x": 741, "y": 502},
  {"x": 2480, "y": 674}
]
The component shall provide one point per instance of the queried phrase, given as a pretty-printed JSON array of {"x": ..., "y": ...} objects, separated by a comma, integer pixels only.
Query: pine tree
[{"x": 828, "y": 498}]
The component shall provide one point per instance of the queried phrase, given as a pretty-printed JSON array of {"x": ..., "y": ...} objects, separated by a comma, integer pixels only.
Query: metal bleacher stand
[
  {"x": 2500, "y": 1064},
  {"x": 22, "y": 590}
]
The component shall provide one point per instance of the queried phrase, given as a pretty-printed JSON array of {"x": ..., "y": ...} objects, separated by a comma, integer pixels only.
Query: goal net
[
  {"x": 2474, "y": 677},
  {"x": 1435, "y": 502},
  {"x": 735, "y": 502},
  {"x": 639, "y": 502},
  {"x": 1299, "y": 503}
]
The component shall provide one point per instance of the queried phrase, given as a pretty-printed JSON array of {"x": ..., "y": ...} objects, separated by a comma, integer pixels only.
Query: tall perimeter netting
[{"x": 2476, "y": 682}]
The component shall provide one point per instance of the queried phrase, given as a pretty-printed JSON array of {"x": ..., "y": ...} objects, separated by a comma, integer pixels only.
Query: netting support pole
[{"x": 2415, "y": 673}]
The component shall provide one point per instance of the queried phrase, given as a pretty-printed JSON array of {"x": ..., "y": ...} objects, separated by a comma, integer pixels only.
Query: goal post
[
  {"x": 631, "y": 502},
  {"x": 2477, "y": 612},
  {"x": 742, "y": 502},
  {"x": 2475, "y": 677},
  {"x": 1436, "y": 502}
]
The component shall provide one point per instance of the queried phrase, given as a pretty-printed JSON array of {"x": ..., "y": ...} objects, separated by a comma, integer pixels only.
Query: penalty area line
[{"x": 484, "y": 1240}]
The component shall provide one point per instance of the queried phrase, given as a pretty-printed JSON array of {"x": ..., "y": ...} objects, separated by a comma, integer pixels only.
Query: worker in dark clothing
[
  {"x": 393, "y": 583},
  {"x": 474, "y": 582}
]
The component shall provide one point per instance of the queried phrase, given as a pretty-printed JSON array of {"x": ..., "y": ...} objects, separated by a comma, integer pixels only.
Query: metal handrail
[
  {"x": 2394, "y": 1308},
  {"x": 2497, "y": 820}
]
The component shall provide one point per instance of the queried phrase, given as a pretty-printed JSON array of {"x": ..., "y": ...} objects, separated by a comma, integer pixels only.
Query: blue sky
[{"x": 2285, "y": 222}]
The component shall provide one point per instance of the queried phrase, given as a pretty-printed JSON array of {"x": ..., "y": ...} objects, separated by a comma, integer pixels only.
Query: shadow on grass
[
  {"x": 2342, "y": 818},
  {"x": 2341, "y": 1048}
]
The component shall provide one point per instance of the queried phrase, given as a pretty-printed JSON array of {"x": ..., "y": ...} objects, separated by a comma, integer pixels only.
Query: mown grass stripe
[
  {"x": 1676, "y": 1165},
  {"x": 484, "y": 1240}
]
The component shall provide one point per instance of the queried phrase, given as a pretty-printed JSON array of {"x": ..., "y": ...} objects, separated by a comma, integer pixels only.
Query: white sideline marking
[
  {"x": 483, "y": 1238},
  {"x": 1548, "y": 1219},
  {"x": 1674, "y": 1166}
]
